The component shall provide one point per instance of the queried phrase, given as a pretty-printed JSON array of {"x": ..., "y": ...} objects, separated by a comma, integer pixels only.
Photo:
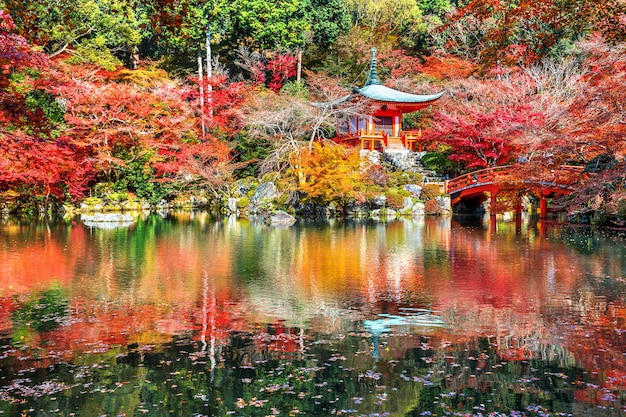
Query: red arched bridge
[{"x": 490, "y": 181}]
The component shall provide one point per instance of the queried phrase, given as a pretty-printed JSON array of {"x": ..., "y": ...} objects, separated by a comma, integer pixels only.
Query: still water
[{"x": 195, "y": 316}]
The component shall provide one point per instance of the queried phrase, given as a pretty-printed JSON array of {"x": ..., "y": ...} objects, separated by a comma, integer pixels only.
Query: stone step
[{"x": 394, "y": 143}]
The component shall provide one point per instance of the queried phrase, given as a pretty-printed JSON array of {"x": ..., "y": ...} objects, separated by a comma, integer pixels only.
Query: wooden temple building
[{"x": 381, "y": 129}]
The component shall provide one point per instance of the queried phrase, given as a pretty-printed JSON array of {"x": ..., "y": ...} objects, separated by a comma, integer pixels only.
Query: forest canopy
[{"x": 161, "y": 98}]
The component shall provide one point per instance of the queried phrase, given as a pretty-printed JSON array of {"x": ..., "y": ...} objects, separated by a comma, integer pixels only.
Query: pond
[{"x": 191, "y": 315}]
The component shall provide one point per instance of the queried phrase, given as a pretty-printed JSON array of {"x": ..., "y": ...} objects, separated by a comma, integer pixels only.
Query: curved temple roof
[
  {"x": 382, "y": 93},
  {"x": 375, "y": 90}
]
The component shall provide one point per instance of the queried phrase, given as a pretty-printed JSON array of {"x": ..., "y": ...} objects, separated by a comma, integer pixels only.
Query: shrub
[
  {"x": 376, "y": 174},
  {"x": 440, "y": 163},
  {"x": 399, "y": 179},
  {"x": 243, "y": 203},
  {"x": 432, "y": 207},
  {"x": 395, "y": 200},
  {"x": 430, "y": 192}
]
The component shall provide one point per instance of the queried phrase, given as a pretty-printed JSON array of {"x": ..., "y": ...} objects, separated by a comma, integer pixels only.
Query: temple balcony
[{"x": 380, "y": 140}]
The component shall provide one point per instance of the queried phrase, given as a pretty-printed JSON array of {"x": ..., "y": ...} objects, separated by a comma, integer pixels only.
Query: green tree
[
  {"x": 392, "y": 16},
  {"x": 105, "y": 32},
  {"x": 329, "y": 19},
  {"x": 269, "y": 25}
]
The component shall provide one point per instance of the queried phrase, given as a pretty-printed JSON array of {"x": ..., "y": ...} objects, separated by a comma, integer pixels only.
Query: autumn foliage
[
  {"x": 533, "y": 84},
  {"x": 328, "y": 173}
]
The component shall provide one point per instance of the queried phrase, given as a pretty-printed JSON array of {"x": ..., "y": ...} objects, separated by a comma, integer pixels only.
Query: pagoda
[{"x": 381, "y": 129}]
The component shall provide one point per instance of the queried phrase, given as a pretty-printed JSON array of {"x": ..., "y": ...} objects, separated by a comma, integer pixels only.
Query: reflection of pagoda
[{"x": 382, "y": 129}]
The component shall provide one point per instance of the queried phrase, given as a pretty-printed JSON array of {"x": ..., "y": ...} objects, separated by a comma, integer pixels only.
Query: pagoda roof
[
  {"x": 375, "y": 90},
  {"x": 381, "y": 93}
]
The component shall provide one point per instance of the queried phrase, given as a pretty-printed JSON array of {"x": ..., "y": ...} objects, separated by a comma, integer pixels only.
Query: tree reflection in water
[{"x": 191, "y": 315}]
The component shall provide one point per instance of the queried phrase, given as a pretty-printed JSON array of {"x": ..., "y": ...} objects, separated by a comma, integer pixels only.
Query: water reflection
[{"x": 190, "y": 314}]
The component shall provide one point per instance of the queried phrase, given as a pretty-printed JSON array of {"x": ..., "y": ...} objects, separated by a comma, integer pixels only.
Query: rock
[
  {"x": 372, "y": 156},
  {"x": 418, "y": 209},
  {"x": 445, "y": 203},
  {"x": 107, "y": 220},
  {"x": 414, "y": 189},
  {"x": 403, "y": 159},
  {"x": 232, "y": 206},
  {"x": 280, "y": 218},
  {"x": 379, "y": 201},
  {"x": 384, "y": 213},
  {"x": 354, "y": 209},
  {"x": 265, "y": 191},
  {"x": 408, "y": 203}
]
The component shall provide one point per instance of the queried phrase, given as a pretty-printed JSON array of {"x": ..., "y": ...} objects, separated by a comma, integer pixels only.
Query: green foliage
[
  {"x": 248, "y": 152},
  {"x": 295, "y": 89},
  {"x": 268, "y": 25},
  {"x": 102, "y": 189},
  {"x": 103, "y": 32},
  {"x": 435, "y": 7},
  {"x": 439, "y": 162},
  {"x": 46, "y": 102},
  {"x": 243, "y": 202},
  {"x": 329, "y": 19},
  {"x": 138, "y": 176},
  {"x": 430, "y": 192},
  {"x": 417, "y": 120},
  {"x": 600, "y": 163},
  {"x": 43, "y": 312},
  {"x": 398, "y": 179}
]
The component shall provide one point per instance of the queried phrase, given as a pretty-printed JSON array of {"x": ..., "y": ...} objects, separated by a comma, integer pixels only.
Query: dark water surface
[{"x": 194, "y": 316}]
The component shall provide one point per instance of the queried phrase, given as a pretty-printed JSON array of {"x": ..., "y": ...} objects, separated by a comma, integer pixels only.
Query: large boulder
[
  {"x": 379, "y": 201},
  {"x": 414, "y": 189},
  {"x": 445, "y": 203},
  {"x": 384, "y": 214},
  {"x": 107, "y": 220},
  {"x": 418, "y": 209},
  {"x": 280, "y": 218},
  {"x": 356, "y": 209},
  {"x": 265, "y": 191},
  {"x": 232, "y": 206}
]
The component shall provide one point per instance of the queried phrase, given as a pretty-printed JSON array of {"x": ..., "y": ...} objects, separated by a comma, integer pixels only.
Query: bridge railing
[
  {"x": 487, "y": 175},
  {"x": 563, "y": 175}
]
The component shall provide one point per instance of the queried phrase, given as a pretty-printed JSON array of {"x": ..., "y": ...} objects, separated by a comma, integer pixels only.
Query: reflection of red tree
[
  {"x": 279, "y": 338},
  {"x": 35, "y": 266},
  {"x": 7, "y": 306}
]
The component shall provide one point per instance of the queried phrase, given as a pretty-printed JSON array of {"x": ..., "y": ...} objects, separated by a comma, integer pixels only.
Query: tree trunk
[
  {"x": 299, "y": 68},
  {"x": 201, "y": 84},
  {"x": 209, "y": 71}
]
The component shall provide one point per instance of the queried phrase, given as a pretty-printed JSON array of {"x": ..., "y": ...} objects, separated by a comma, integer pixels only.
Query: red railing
[
  {"x": 473, "y": 179},
  {"x": 562, "y": 175}
]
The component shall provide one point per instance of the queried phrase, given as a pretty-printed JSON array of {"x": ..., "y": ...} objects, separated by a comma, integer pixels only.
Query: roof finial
[{"x": 373, "y": 79}]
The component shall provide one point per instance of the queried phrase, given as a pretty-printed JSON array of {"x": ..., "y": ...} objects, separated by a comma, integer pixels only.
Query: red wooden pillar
[
  {"x": 492, "y": 214},
  {"x": 543, "y": 207}
]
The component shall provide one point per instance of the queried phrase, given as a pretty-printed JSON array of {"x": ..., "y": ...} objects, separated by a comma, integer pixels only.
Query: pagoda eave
[{"x": 401, "y": 107}]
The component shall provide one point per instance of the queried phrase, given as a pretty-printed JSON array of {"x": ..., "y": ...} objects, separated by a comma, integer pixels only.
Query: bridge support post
[{"x": 543, "y": 207}]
